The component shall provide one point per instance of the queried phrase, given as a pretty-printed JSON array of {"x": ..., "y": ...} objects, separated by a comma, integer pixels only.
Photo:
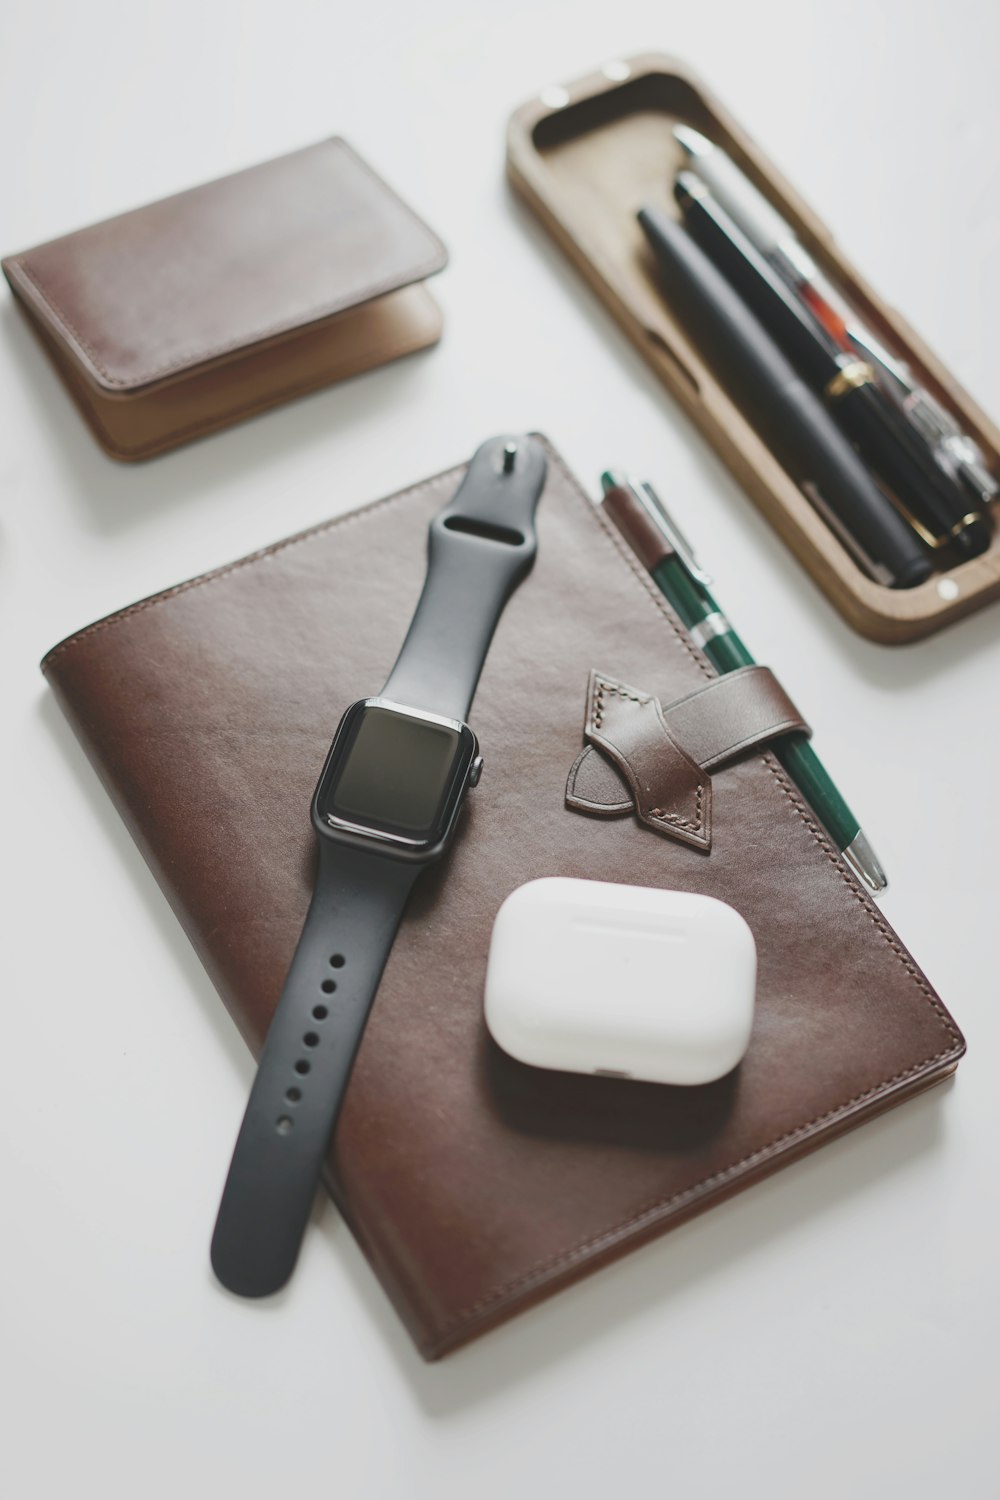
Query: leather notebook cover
[
  {"x": 474, "y": 1184},
  {"x": 190, "y": 313}
]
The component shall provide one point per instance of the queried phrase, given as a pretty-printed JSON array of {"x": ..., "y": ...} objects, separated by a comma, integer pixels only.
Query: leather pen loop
[
  {"x": 655, "y": 761},
  {"x": 670, "y": 791}
]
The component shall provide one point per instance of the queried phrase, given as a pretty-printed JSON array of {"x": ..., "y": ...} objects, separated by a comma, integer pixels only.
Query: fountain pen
[
  {"x": 790, "y": 417},
  {"x": 956, "y": 452},
  {"x": 654, "y": 536},
  {"x": 936, "y": 506}
]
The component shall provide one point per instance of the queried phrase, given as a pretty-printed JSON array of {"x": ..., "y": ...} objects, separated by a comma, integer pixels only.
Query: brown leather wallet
[
  {"x": 191, "y": 313},
  {"x": 474, "y": 1184}
]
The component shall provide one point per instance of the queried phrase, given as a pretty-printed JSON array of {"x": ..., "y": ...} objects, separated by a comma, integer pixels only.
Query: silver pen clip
[{"x": 668, "y": 528}]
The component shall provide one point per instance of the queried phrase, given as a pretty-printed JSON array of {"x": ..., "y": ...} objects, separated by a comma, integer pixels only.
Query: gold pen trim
[
  {"x": 930, "y": 538},
  {"x": 969, "y": 520},
  {"x": 848, "y": 378}
]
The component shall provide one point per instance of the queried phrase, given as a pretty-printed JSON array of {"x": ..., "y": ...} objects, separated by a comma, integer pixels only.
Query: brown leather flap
[
  {"x": 200, "y": 276},
  {"x": 652, "y": 758},
  {"x": 669, "y": 790}
]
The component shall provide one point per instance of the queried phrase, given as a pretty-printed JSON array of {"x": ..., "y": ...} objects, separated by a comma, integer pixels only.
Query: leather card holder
[{"x": 181, "y": 317}]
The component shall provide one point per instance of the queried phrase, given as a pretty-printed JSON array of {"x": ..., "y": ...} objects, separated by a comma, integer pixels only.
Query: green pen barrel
[
  {"x": 727, "y": 653},
  {"x": 694, "y": 603},
  {"x": 806, "y": 769}
]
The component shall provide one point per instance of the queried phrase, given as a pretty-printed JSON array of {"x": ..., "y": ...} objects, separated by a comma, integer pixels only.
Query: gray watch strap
[
  {"x": 480, "y": 547},
  {"x": 304, "y": 1067}
]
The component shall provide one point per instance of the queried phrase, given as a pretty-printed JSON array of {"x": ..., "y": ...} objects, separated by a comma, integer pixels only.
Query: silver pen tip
[
  {"x": 865, "y": 863},
  {"x": 692, "y": 141}
]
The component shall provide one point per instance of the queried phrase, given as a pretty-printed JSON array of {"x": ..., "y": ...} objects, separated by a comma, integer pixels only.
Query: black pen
[
  {"x": 788, "y": 416},
  {"x": 953, "y": 448},
  {"x": 934, "y": 504}
]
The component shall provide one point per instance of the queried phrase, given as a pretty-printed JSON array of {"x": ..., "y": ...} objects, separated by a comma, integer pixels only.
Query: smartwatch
[{"x": 386, "y": 805}]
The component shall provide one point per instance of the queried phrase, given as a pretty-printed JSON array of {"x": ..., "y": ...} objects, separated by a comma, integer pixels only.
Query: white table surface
[{"x": 832, "y": 1331}]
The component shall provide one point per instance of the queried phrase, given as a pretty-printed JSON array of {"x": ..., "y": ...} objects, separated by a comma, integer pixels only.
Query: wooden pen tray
[{"x": 586, "y": 157}]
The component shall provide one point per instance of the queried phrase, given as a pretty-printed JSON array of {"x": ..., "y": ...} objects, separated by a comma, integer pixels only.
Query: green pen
[{"x": 685, "y": 585}]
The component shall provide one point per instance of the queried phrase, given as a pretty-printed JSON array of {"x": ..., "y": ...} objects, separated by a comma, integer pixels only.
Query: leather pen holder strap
[{"x": 655, "y": 759}]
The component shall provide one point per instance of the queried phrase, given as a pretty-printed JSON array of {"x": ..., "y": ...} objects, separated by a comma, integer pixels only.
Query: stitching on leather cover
[
  {"x": 246, "y": 340},
  {"x": 755, "y": 740},
  {"x": 657, "y": 814},
  {"x": 651, "y": 1211},
  {"x": 612, "y": 689},
  {"x": 668, "y": 817}
]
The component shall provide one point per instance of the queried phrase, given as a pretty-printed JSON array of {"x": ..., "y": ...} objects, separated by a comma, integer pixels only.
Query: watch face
[{"x": 395, "y": 774}]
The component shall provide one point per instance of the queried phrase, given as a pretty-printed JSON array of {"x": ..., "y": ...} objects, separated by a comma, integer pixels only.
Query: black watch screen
[{"x": 395, "y": 774}]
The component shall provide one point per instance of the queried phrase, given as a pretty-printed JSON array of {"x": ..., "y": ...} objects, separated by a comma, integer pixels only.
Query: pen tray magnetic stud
[{"x": 586, "y": 156}]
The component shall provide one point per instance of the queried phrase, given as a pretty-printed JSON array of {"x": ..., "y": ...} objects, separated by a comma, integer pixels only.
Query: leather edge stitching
[
  {"x": 602, "y": 685},
  {"x": 651, "y": 1211},
  {"x": 361, "y": 513}
]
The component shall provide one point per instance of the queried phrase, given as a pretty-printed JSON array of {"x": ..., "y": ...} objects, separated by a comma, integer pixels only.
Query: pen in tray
[
  {"x": 790, "y": 418},
  {"x": 936, "y": 505},
  {"x": 661, "y": 547},
  {"x": 957, "y": 453}
]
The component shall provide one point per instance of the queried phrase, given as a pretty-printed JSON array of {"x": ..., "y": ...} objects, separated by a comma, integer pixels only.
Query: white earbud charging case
[{"x": 624, "y": 981}]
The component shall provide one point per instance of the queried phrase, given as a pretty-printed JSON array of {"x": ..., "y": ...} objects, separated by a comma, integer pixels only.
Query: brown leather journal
[
  {"x": 181, "y": 317},
  {"x": 474, "y": 1184}
]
